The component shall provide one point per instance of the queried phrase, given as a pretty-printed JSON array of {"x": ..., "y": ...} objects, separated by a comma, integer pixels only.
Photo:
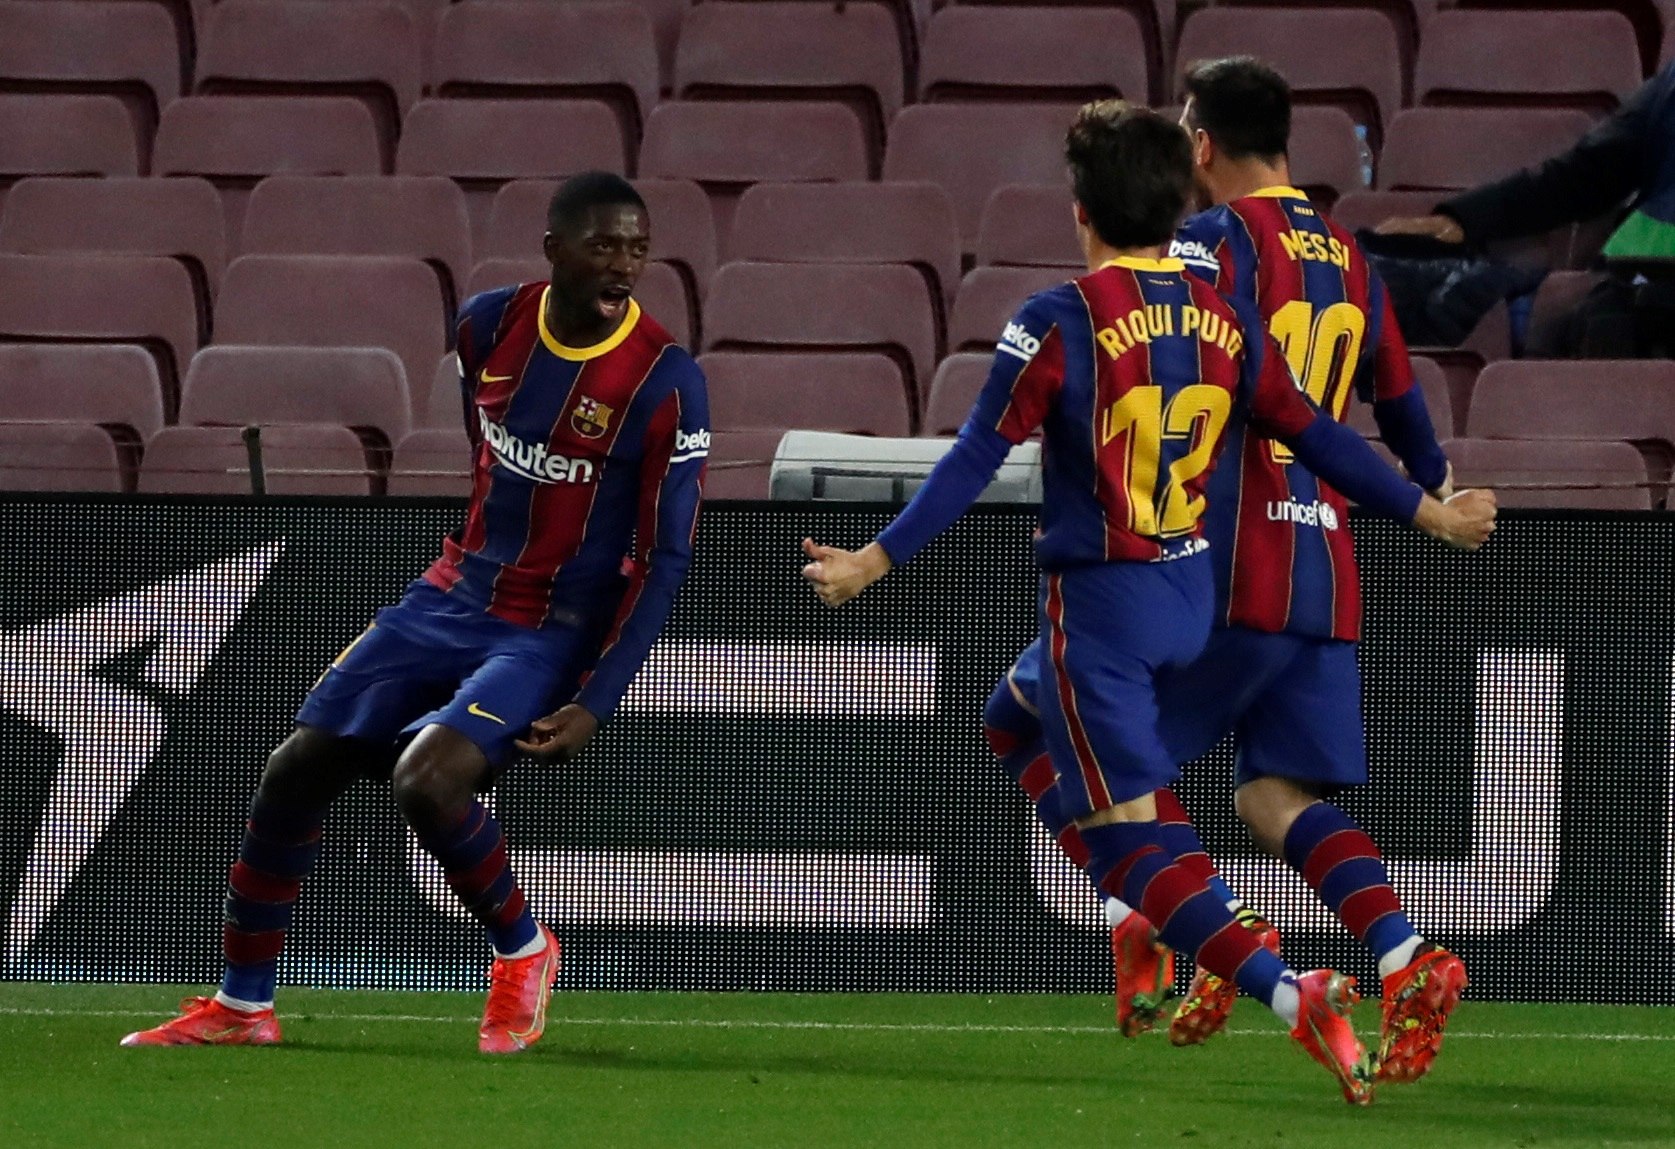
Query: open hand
[
  {"x": 561, "y": 735},
  {"x": 840, "y": 575}
]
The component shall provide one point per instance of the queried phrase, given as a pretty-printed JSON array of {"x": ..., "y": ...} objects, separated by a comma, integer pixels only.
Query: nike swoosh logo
[
  {"x": 487, "y": 378},
  {"x": 479, "y": 712}
]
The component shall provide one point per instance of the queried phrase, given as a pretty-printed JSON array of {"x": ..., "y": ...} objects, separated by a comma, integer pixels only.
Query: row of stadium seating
[{"x": 1383, "y": 55}]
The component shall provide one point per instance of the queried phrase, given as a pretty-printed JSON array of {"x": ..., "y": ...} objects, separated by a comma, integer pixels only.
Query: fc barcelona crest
[{"x": 591, "y": 418}]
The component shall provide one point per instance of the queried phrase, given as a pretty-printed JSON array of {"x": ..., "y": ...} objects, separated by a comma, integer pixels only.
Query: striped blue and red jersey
[
  {"x": 1285, "y": 558},
  {"x": 1132, "y": 373},
  {"x": 583, "y": 457}
]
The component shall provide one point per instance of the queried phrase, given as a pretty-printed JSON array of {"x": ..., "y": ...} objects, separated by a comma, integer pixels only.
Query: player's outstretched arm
[{"x": 839, "y": 575}]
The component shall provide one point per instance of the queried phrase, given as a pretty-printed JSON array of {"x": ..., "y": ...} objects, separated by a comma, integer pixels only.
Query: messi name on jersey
[{"x": 532, "y": 460}]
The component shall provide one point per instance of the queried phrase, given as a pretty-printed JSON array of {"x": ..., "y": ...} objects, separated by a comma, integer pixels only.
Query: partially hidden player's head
[
  {"x": 1131, "y": 171},
  {"x": 1238, "y": 113},
  {"x": 598, "y": 234}
]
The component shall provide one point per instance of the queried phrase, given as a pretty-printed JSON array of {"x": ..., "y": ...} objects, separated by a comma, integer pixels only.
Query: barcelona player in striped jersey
[
  {"x": 590, "y": 431},
  {"x": 1134, "y": 373},
  {"x": 1280, "y": 672}
]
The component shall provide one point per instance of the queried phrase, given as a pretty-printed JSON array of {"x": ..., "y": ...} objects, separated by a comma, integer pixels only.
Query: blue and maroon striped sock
[
  {"x": 473, "y": 856},
  {"x": 1177, "y": 835},
  {"x": 1128, "y": 862},
  {"x": 1342, "y": 864},
  {"x": 1014, "y": 736},
  {"x": 281, "y": 841}
]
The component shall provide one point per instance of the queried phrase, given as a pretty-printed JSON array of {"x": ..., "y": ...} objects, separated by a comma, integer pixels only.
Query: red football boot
[
  {"x": 1209, "y": 999},
  {"x": 519, "y": 989},
  {"x": 1417, "y": 1001},
  {"x": 1145, "y": 974},
  {"x": 1324, "y": 1032},
  {"x": 205, "y": 1021}
]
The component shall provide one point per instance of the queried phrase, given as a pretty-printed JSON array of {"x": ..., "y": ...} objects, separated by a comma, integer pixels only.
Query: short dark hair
[
  {"x": 1132, "y": 172},
  {"x": 1243, "y": 104},
  {"x": 579, "y": 194}
]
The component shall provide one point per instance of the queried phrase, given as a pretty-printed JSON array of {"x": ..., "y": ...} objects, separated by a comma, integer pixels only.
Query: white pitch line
[{"x": 834, "y": 1026}]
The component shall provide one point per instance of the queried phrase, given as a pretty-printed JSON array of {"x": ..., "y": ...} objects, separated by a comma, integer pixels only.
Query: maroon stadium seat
[
  {"x": 789, "y": 50},
  {"x": 682, "y": 225},
  {"x": 854, "y": 223},
  {"x": 1588, "y": 475},
  {"x": 971, "y": 150},
  {"x": 419, "y": 216},
  {"x": 1630, "y": 400},
  {"x": 1029, "y": 225},
  {"x": 482, "y": 144},
  {"x": 119, "y": 49},
  {"x": 1058, "y": 55},
  {"x": 368, "y": 51},
  {"x": 725, "y": 147},
  {"x": 434, "y": 462},
  {"x": 595, "y": 51},
  {"x": 363, "y": 388},
  {"x": 1362, "y": 73},
  {"x": 1368, "y": 209},
  {"x": 443, "y": 407},
  {"x": 180, "y": 218},
  {"x": 1433, "y": 385},
  {"x": 140, "y": 299},
  {"x": 236, "y": 141},
  {"x": 990, "y": 296},
  {"x": 959, "y": 379},
  {"x": 1489, "y": 342},
  {"x": 661, "y": 290},
  {"x": 1647, "y": 17},
  {"x": 763, "y": 396},
  {"x": 826, "y": 307},
  {"x": 1452, "y": 148},
  {"x": 1325, "y": 154},
  {"x": 113, "y": 385},
  {"x": 1549, "y": 58},
  {"x": 59, "y": 456},
  {"x": 1408, "y": 17},
  {"x": 1551, "y": 315},
  {"x": 299, "y": 459},
  {"x": 51, "y": 135},
  {"x": 1156, "y": 19},
  {"x": 334, "y": 301}
]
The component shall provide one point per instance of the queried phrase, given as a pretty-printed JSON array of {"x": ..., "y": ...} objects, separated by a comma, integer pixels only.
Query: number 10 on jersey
[{"x": 1322, "y": 348}]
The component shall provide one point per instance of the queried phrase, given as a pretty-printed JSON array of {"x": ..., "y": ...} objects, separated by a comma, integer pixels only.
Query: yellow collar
[
  {"x": 609, "y": 343},
  {"x": 1277, "y": 192},
  {"x": 1135, "y": 264}
]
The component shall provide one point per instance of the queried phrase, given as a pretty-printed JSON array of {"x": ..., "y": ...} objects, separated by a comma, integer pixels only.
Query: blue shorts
[
  {"x": 1109, "y": 630},
  {"x": 432, "y": 659},
  {"x": 1292, "y": 704}
]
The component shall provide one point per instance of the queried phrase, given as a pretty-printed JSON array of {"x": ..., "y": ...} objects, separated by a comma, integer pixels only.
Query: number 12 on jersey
[
  {"x": 1323, "y": 350},
  {"x": 1197, "y": 415}
]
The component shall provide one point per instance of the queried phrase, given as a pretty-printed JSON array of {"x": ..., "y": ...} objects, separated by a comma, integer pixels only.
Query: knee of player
[
  {"x": 435, "y": 774},
  {"x": 1006, "y": 723}
]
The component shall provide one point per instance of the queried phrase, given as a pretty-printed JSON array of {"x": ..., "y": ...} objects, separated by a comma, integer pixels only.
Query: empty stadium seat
[
  {"x": 1156, "y": 20},
  {"x": 1451, "y": 148},
  {"x": 990, "y": 296},
  {"x": 61, "y": 456},
  {"x": 482, "y": 144},
  {"x": 1647, "y": 17},
  {"x": 1552, "y": 314},
  {"x": 1362, "y": 73},
  {"x": 596, "y": 51},
  {"x": 179, "y": 218},
  {"x": 419, "y": 216},
  {"x": 146, "y": 300},
  {"x": 236, "y": 141},
  {"x": 1489, "y": 342},
  {"x": 334, "y": 301},
  {"x": 1433, "y": 385},
  {"x": 1577, "y": 475},
  {"x": 297, "y": 459},
  {"x": 1057, "y": 55},
  {"x": 724, "y": 147},
  {"x": 433, "y": 462},
  {"x": 854, "y": 223},
  {"x": 1407, "y": 17},
  {"x": 682, "y": 225},
  {"x": 443, "y": 406},
  {"x": 1553, "y": 58},
  {"x": 826, "y": 307},
  {"x": 112, "y": 385},
  {"x": 1029, "y": 225},
  {"x": 1326, "y": 157},
  {"x": 789, "y": 50},
  {"x": 661, "y": 291},
  {"x": 362, "y": 388},
  {"x": 972, "y": 150},
  {"x": 367, "y": 51},
  {"x": 52, "y": 135},
  {"x": 119, "y": 49},
  {"x": 954, "y": 390}
]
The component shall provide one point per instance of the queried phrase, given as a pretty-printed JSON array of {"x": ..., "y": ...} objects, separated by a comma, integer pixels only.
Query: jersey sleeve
[
  {"x": 1023, "y": 382},
  {"x": 1202, "y": 245},
  {"x": 1278, "y": 408},
  {"x": 677, "y": 445},
  {"x": 1399, "y": 409},
  {"x": 474, "y": 332}
]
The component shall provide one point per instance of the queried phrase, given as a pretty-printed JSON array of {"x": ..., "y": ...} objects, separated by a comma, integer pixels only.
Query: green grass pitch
[{"x": 739, "y": 1070}]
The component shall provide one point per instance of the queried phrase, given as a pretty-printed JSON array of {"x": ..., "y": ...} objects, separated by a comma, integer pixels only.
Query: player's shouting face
[{"x": 596, "y": 261}]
